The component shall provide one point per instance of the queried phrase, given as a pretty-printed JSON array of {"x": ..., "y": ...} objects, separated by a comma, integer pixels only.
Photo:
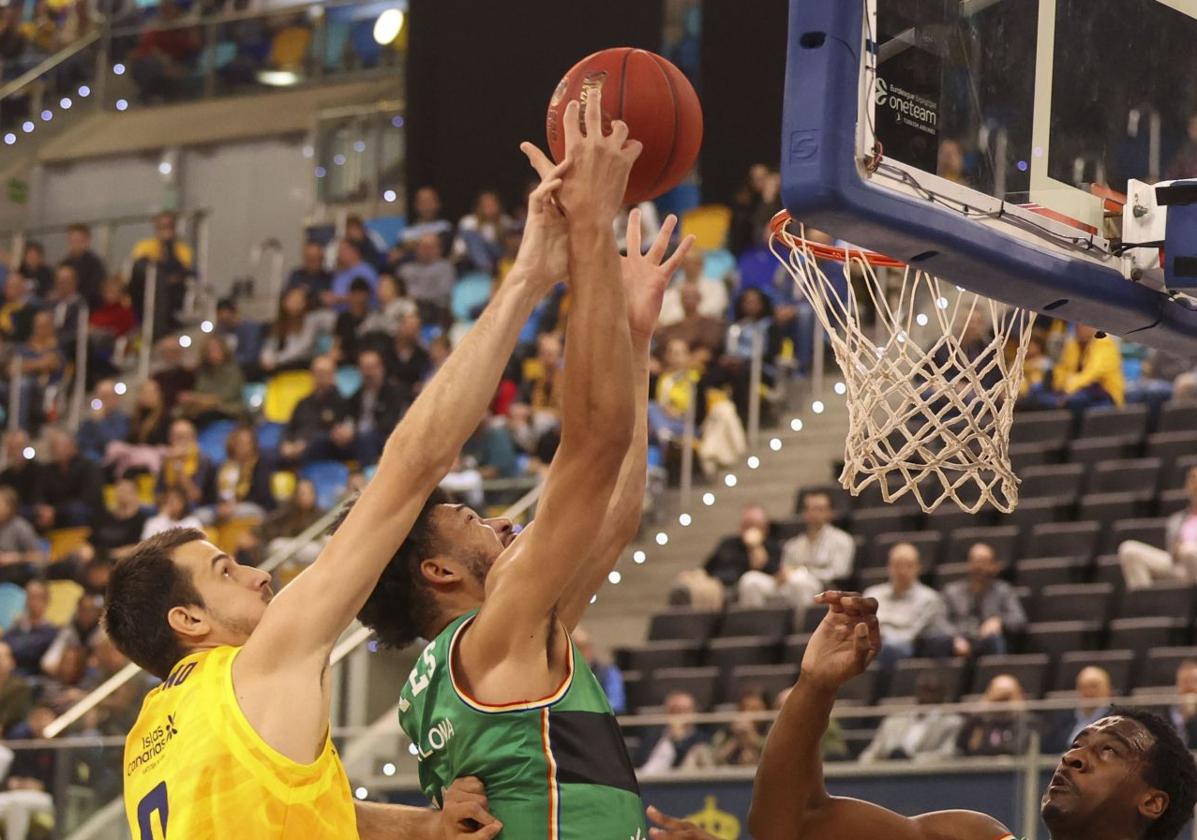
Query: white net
[{"x": 930, "y": 390}]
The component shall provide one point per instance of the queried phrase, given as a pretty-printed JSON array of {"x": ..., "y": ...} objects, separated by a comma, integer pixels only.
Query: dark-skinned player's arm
[
  {"x": 645, "y": 278},
  {"x": 304, "y": 621},
  {"x": 464, "y": 817},
  {"x": 529, "y": 578},
  {"x": 789, "y": 797}
]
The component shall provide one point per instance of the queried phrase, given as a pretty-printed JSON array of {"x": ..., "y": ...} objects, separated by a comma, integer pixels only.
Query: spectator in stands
[
  {"x": 810, "y": 562},
  {"x": 538, "y": 409},
  {"x": 82, "y": 631},
  {"x": 1184, "y": 715},
  {"x": 492, "y": 450},
  {"x": 218, "y": 386},
  {"x": 107, "y": 421},
  {"x": 754, "y": 321},
  {"x": 321, "y": 427},
  {"x": 149, "y": 431},
  {"x": 910, "y": 612},
  {"x": 112, "y": 320},
  {"x": 680, "y": 744},
  {"x": 1184, "y": 164},
  {"x": 479, "y": 234},
  {"x": 165, "y": 54},
  {"x": 16, "y": 695},
  {"x": 382, "y": 325},
  {"x": 429, "y": 279},
  {"x": 121, "y": 526},
  {"x": 1006, "y": 729},
  {"x": 1143, "y": 564},
  {"x": 35, "y": 269},
  {"x": 713, "y": 302},
  {"x": 438, "y": 353},
  {"x": 183, "y": 464},
  {"x": 676, "y": 388},
  {"x": 67, "y": 306},
  {"x": 921, "y": 735},
  {"x": 349, "y": 329},
  {"x": 409, "y": 362},
  {"x": 243, "y": 338},
  {"x": 311, "y": 276},
  {"x": 291, "y": 342},
  {"x": 32, "y": 633},
  {"x": 739, "y": 744},
  {"x": 376, "y": 407},
  {"x": 174, "y": 262},
  {"x": 607, "y": 673},
  {"x": 240, "y": 487},
  {"x": 68, "y": 487},
  {"x": 1093, "y": 695},
  {"x": 752, "y": 549},
  {"x": 21, "y": 552},
  {"x": 357, "y": 233},
  {"x": 753, "y": 206},
  {"x": 174, "y": 511},
  {"x": 16, "y": 315},
  {"x": 833, "y": 744},
  {"x": 22, "y": 473},
  {"x": 983, "y": 609},
  {"x": 705, "y": 335},
  {"x": 1089, "y": 373},
  {"x": 427, "y": 219},
  {"x": 289, "y": 520},
  {"x": 32, "y": 775},
  {"x": 950, "y": 164},
  {"x": 40, "y": 366},
  {"x": 350, "y": 268},
  {"x": 13, "y": 44},
  {"x": 89, "y": 268}
]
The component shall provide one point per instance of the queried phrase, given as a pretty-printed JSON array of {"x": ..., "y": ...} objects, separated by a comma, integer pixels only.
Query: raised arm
[
  {"x": 789, "y": 797},
  {"x": 597, "y": 411}
]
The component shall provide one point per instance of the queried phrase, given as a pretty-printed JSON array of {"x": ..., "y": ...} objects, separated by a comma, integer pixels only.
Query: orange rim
[{"x": 827, "y": 252}]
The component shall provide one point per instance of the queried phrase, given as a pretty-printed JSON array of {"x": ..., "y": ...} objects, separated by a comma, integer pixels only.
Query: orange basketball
[{"x": 656, "y": 101}]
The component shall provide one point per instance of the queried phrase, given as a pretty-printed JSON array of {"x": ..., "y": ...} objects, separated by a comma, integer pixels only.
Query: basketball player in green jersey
[
  {"x": 1126, "y": 777},
  {"x": 501, "y": 692}
]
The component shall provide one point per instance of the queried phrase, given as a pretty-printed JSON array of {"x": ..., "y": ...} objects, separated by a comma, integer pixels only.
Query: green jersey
[{"x": 554, "y": 768}]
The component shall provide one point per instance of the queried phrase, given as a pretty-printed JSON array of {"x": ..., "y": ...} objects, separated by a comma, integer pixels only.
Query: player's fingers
[
  {"x": 634, "y": 232},
  {"x": 675, "y": 261},
  {"x": 573, "y": 127},
  {"x": 468, "y": 784},
  {"x": 660, "y": 245},
  {"x": 663, "y": 819},
  {"x": 488, "y": 831},
  {"x": 632, "y": 150},
  {"x": 619, "y": 132},
  {"x": 539, "y": 160},
  {"x": 594, "y": 113},
  {"x": 476, "y": 812}
]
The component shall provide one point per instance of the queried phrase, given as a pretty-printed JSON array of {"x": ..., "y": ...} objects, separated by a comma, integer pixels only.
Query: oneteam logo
[{"x": 882, "y": 92}]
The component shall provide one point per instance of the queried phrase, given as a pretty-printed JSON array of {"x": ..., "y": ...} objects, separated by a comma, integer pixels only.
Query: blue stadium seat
[
  {"x": 330, "y": 478},
  {"x": 718, "y": 264},
  {"x": 469, "y": 295},
  {"x": 12, "y": 601},
  {"x": 212, "y": 439},
  {"x": 270, "y": 435},
  {"x": 349, "y": 379}
]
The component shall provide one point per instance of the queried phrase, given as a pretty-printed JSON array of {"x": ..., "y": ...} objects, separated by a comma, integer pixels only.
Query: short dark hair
[
  {"x": 1170, "y": 768},
  {"x": 226, "y": 303},
  {"x": 361, "y": 284},
  {"x": 401, "y": 607},
  {"x": 144, "y": 587},
  {"x": 79, "y": 227},
  {"x": 34, "y": 245}
]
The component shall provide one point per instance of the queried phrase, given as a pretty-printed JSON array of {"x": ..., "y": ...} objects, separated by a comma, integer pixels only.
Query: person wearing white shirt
[
  {"x": 809, "y": 561},
  {"x": 714, "y": 303},
  {"x": 908, "y": 611},
  {"x": 173, "y": 512},
  {"x": 1143, "y": 564},
  {"x": 923, "y": 735}
]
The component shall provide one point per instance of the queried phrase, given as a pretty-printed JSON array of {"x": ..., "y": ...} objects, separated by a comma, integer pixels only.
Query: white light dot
[
  {"x": 730, "y": 480},
  {"x": 902, "y": 337},
  {"x": 413, "y": 749},
  {"x": 662, "y": 538},
  {"x": 684, "y": 520},
  {"x": 120, "y": 388},
  {"x": 65, "y": 103},
  {"x": 841, "y": 388},
  {"x": 388, "y": 769},
  {"x": 29, "y": 452},
  {"x": 593, "y": 598},
  {"x": 28, "y": 126},
  {"x": 84, "y": 91},
  {"x": 638, "y": 557},
  {"x": 960, "y": 288},
  {"x": 389, "y": 196},
  {"x": 256, "y": 400},
  {"x": 321, "y": 171},
  {"x": 184, "y": 341},
  {"x": 942, "y": 303},
  {"x": 359, "y": 146},
  {"x": 921, "y": 319},
  {"x": 817, "y": 406},
  {"x": 615, "y": 577},
  {"x": 753, "y": 462},
  {"x": 97, "y": 404},
  {"x": 339, "y": 160},
  {"x": 122, "y": 104},
  {"x": 10, "y": 138},
  {"x": 118, "y": 69},
  {"x": 165, "y": 167},
  {"x": 775, "y": 444},
  {"x": 361, "y": 793},
  {"x": 47, "y": 115},
  {"x": 796, "y": 425},
  {"x": 386, "y": 28},
  {"x": 206, "y": 327},
  {"x": 708, "y": 499}
]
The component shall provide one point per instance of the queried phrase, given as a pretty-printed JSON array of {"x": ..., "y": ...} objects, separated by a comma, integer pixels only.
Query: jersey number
[
  {"x": 418, "y": 681},
  {"x": 154, "y": 801}
]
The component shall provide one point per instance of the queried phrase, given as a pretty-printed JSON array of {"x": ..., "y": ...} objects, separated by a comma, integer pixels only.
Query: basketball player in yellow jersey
[
  {"x": 1126, "y": 777},
  {"x": 234, "y": 745}
]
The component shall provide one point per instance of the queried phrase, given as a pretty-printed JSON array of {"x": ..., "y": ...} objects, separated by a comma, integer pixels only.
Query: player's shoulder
[{"x": 962, "y": 825}]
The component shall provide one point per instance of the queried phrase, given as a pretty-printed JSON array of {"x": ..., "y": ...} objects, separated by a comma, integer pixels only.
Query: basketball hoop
[{"x": 931, "y": 394}]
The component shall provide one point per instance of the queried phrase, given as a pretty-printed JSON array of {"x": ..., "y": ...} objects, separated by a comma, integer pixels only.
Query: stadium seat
[
  {"x": 1031, "y": 670},
  {"x": 1038, "y": 572},
  {"x": 635, "y": 689},
  {"x": 470, "y": 294},
  {"x": 1108, "y": 569},
  {"x": 283, "y": 393},
  {"x": 870, "y": 522},
  {"x": 1176, "y": 471},
  {"x": 1136, "y": 475},
  {"x": 946, "y": 573},
  {"x": 1064, "y": 539},
  {"x": 726, "y": 654},
  {"x": 1150, "y": 531},
  {"x": 793, "y": 647},
  {"x": 702, "y": 683},
  {"x": 1171, "y": 446},
  {"x": 1053, "y": 427},
  {"x": 270, "y": 436},
  {"x": 1144, "y": 634},
  {"x": 947, "y": 518},
  {"x": 1072, "y": 602},
  {"x": 767, "y": 678},
  {"x": 212, "y": 440},
  {"x": 696, "y": 625},
  {"x": 282, "y": 484},
  {"x": 652, "y": 656},
  {"x": 1128, "y": 422},
  {"x": 1119, "y": 664},
  {"x": 708, "y": 224},
  {"x": 770, "y": 622},
  {"x": 1108, "y": 508},
  {"x": 64, "y": 541},
  {"x": 289, "y": 48},
  {"x": 718, "y": 264},
  {"x": 927, "y": 544},
  {"x": 1055, "y": 480},
  {"x": 873, "y": 575},
  {"x": 1032, "y": 512},
  {"x": 1178, "y": 417},
  {"x": 906, "y": 673},
  {"x": 1058, "y": 637},
  {"x": 1003, "y": 539},
  {"x": 12, "y": 602},
  {"x": 349, "y": 380},
  {"x": 811, "y": 617},
  {"x": 1091, "y": 451},
  {"x": 330, "y": 478},
  {"x": 1159, "y": 667},
  {"x": 860, "y": 690},
  {"x": 1023, "y": 456},
  {"x": 1173, "y": 599},
  {"x": 1171, "y": 501},
  {"x": 64, "y": 596}
]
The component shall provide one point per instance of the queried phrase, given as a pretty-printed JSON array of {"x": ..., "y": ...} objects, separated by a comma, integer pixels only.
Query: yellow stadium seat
[
  {"x": 65, "y": 540},
  {"x": 229, "y": 534},
  {"x": 709, "y": 225},
  {"x": 289, "y": 48},
  {"x": 282, "y": 484},
  {"x": 283, "y": 393},
  {"x": 108, "y": 491},
  {"x": 146, "y": 485},
  {"x": 64, "y": 595}
]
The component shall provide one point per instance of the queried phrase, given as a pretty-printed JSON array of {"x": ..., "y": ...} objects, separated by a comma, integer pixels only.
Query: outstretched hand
[
  {"x": 601, "y": 163},
  {"x": 846, "y": 641},
  {"x": 647, "y": 275},
  {"x": 671, "y": 828},
  {"x": 544, "y": 252}
]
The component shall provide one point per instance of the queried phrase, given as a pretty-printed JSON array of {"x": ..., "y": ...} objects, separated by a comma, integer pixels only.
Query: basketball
[{"x": 656, "y": 101}]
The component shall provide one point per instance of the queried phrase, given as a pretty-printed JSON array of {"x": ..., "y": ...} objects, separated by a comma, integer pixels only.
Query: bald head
[
  {"x": 903, "y": 567},
  {"x": 1093, "y": 688},
  {"x": 1004, "y": 688}
]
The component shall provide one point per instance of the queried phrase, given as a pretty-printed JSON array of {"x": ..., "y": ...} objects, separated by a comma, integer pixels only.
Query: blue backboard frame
[{"x": 826, "y": 186}]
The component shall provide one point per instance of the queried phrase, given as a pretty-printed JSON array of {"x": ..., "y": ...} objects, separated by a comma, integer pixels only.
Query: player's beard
[
  {"x": 478, "y": 564},
  {"x": 236, "y": 625}
]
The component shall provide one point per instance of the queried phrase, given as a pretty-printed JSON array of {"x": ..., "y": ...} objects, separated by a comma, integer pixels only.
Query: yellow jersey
[{"x": 196, "y": 770}]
